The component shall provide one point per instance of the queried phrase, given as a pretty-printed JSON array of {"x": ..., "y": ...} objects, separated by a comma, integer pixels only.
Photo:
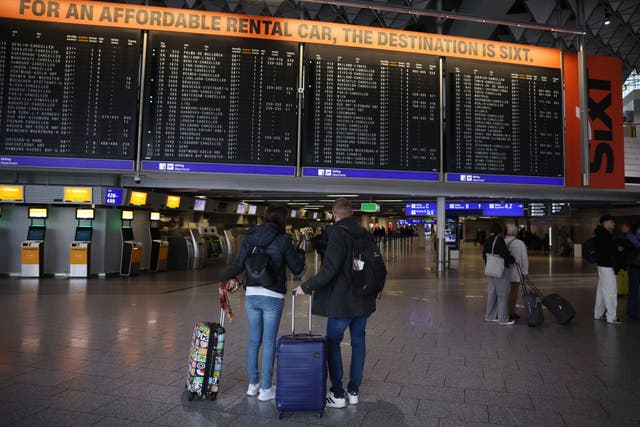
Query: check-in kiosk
[
  {"x": 131, "y": 249},
  {"x": 159, "y": 247},
  {"x": 80, "y": 252},
  {"x": 32, "y": 250}
]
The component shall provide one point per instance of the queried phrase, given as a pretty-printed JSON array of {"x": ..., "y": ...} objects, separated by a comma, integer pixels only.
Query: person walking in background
[
  {"x": 264, "y": 304},
  {"x": 498, "y": 288},
  {"x": 333, "y": 298},
  {"x": 518, "y": 250},
  {"x": 632, "y": 255},
  {"x": 606, "y": 294}
]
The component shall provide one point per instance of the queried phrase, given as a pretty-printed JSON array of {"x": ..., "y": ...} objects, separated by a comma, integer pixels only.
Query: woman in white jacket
[{"x": 518, "y": 250}]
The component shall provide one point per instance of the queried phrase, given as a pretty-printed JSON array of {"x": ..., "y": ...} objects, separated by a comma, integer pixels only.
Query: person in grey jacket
[
  {"x": 518, "y": 249},
  {"x": 264, "y": 304},
  {"x": 333, "y": 298},
  {"x": 497, "y": 309}
]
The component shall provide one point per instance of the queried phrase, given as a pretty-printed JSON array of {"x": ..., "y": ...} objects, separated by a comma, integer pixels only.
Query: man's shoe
[
  {"x": 490, "y": 320},
  {"x": 509, "y": 323},
  {"x": 603, "y": 317},
  {"x": 253, "y": 389},
  {"x": 615, "y": 322},
  {"x": 335, "y": 402},
  {"x": 353, "y": 398},
  {"x": 267, "y": 394}
]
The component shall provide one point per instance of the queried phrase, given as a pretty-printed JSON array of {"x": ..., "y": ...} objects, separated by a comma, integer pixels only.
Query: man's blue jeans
[
  {"x": 264, "y": 315},
  {"x": 335, "y": 333}
]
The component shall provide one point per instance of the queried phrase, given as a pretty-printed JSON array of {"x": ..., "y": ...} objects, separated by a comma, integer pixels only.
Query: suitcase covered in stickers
[{"x": 205, "y": 359}]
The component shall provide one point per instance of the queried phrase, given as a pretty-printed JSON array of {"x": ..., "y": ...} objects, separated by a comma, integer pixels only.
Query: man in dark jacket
[
  {"x": 607, "y": 292},
  {"x": 333, "y": 298}
]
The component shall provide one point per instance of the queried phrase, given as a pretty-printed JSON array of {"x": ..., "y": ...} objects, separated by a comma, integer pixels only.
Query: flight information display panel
[
  {"x": 371, "y": 114},
  {"x": 504, "y": 123},
  {"x": 69, "y": 95},
  {"x": 220, "y": 104}
]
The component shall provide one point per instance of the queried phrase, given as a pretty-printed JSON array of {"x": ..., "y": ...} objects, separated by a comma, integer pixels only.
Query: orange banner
[
  {"x": 606, "y": 140},
  {"x": 225, "y": 24},
  {"x": 79, "y": 256}
]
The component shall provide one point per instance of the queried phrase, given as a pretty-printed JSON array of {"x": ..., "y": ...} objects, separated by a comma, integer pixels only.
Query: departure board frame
[
  {"x": 352, "y": 97},
  {"x": 526, "y": 139},
  {"x": 69, "y": 94},
  {"x": 220, "y": 105}
]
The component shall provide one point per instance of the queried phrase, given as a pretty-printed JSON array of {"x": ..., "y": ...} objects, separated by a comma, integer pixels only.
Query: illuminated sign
[
  {"x": 77, "y": 194},
  {"x": 138, "y": 198},
  {"x": 11, "y": 193},
  {"x": 38, "y": 212},
  {"x": 128, "y": 215},
  {"x": 83, "y": 213},
  {"x": 154, "y": 216},
  {"x": 173, "y": 202},
  {"x": 113, "y": 196}
]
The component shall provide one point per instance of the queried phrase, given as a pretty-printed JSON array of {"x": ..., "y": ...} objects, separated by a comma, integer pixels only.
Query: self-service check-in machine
[
  {"x": 32, "y": 250},
  {"x": 80, "y": 251},
  {"x": 131, "y": 249},
  {"x": 159, "y": 247}
]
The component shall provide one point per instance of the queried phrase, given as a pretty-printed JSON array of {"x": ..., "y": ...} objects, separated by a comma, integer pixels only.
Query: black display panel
[
  {"x": 369, "y": 109},
  {"x": 220, "y": 100},
  {"x": 504, "y": 119},
  {"x": 68, "y": 91},
  {"x": 36, "y": 233},
  {"x": 83, "y": 234},
  {"x": 127, "y": 234}
]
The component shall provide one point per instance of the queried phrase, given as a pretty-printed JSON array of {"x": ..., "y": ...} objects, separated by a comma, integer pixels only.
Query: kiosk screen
[
  {"x": 83, "y": 234},
  {"x": 36, "y": 233},
  {"x": 127, "y": 234}
]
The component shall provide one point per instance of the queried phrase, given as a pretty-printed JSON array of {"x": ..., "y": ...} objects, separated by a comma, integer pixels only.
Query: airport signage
[
  {"x": 113, "y": 196},
  {"x": 370, "y": 207},
  {"x": 370, "y": 173},
  {"x": 11, "y": 193},
  {"x": 77, "y": 194},
  {"x": 467, "y": 208}
]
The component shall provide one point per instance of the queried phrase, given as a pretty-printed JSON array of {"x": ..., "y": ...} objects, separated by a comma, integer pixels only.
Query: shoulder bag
[{"x": 495, "y": 263}]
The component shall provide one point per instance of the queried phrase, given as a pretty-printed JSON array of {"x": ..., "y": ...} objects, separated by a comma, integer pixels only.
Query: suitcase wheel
[
  {"x": 280, "y": 415},
  {"x": 320, "y": 413},
  {"x": 213, "y": 396},
  {"x": 191, "y": 395}
]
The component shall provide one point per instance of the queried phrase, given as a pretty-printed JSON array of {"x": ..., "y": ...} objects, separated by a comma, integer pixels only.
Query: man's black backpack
[
  {"x": 368, "y": 272},
  {"x": 590, "y": 251},
  {"x": 258, "y": 268}
]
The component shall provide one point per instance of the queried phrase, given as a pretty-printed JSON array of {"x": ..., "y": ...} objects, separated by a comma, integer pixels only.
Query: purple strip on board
[
  {"x": 217, "y": 168},
  {"x": 370, "y": 173},
  {"x": 504, "y": 179},
  {"x": 65, "y": 162}
]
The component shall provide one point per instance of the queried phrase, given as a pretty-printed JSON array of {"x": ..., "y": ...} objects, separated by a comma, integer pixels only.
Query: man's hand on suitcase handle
[{"x": 298, "y": 291}]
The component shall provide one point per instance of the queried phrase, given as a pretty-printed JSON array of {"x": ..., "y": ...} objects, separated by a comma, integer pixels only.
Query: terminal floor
[{"x": 113, "y": 352}]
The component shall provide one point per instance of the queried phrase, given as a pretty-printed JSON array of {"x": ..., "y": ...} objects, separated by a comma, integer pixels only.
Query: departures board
[
  {"x": 219, "y": 100},
  {"x": 504, "y": 120},
  {"x": 68, "y": 91},
  {"x": 370, "y": 110}
]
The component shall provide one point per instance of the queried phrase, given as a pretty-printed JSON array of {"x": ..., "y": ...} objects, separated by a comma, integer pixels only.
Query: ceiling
[{"x": 620, "y": 37}]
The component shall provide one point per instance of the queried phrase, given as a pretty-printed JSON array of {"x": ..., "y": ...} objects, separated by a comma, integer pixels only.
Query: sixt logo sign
[{"x": 598, "y": 115}]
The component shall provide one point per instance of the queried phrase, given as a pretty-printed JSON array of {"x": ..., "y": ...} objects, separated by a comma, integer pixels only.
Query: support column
[
  {"x": 583, "y": 79},
  {"x": 441, "y": 222}
]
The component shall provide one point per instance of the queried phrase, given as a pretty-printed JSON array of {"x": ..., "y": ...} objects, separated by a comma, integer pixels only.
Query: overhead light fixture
[
  {"x": 342, "y": 195},
  {"x": 390, "y": 200}
]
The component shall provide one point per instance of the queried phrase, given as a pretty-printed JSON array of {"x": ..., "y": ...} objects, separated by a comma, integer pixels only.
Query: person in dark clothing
[
  {"x": 498, "y": 289},
  {"x": 631, "y": 254},
  {"x": 264, "y": 304},
  {"x": 608, "y": 265},
  {"x": 333, "y": 298}
]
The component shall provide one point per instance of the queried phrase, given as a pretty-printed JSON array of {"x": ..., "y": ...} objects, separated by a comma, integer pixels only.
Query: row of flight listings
[
  {"x": 230, "y": 105},
  {"x": 491, "y": 209}
]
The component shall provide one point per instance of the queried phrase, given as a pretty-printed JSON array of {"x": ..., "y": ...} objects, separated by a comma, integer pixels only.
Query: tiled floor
[{"x": 113, "y": 352}]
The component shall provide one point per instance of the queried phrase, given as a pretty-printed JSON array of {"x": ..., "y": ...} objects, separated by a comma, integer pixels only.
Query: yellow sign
[
  {"x": 38, "y": 212},
  {"x": 85, "y": 213},
  {"x": 128, "y": 215},
  {"x": 173, "y": 202},
  {"x": 260, "y": 27},
  {"x": 77, "y": 194},
  {"x": 13, "y": 193},
  {"x": 138, "y": 198}
]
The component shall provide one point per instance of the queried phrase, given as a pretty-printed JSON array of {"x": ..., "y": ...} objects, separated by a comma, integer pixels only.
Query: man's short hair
[
  {"x": 512, "y": 230},
  {"x": 342, "y": 207},
  {"x": 605, "y": 218}
]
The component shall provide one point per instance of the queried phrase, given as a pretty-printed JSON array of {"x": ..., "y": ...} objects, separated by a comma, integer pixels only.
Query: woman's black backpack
[{"x": 258, "y": 267}]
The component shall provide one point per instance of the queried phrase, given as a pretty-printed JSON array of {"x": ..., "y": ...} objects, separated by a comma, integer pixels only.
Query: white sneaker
[
  {"x": 353, "y": 398},
  {"x": 507, "y": 323},
  {"x": 335, "y": 402},
  {"x": 253, "y": 389},
  {"x": 267, "y": 394}
]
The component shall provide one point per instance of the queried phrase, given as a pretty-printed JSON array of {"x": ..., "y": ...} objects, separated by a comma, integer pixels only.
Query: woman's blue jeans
[
  {"x": 264, "y": 315},
  {"x": 335, "y": 333}
]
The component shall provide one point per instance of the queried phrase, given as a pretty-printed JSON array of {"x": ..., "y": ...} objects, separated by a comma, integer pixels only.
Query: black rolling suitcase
[
  {"x": 302, "y": 370},
  {"x": 556, "y": 304},
  {"x": 205, "y": 359}
]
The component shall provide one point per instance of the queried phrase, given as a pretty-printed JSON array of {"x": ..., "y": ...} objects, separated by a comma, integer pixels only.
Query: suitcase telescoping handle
[
  {"x": 525, "y": 281},
  {"x": 293, "y": 312},
  {"x": 223, "y": 316}
]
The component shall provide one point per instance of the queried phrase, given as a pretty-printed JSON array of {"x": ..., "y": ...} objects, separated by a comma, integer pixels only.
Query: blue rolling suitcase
[{"x": 302, "y": 370}]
